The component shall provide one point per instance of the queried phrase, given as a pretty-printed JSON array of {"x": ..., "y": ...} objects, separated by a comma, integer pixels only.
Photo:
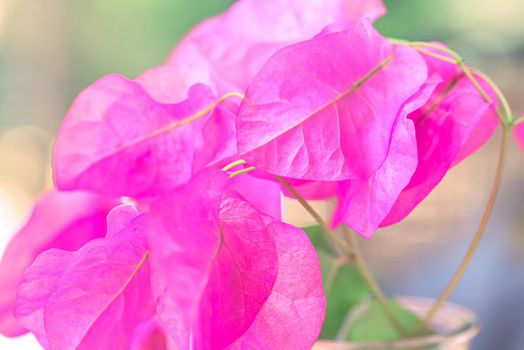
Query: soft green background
[{"x": 96, "y": 37}]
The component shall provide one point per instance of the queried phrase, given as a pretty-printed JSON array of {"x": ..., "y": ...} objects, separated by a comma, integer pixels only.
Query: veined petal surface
[
  {"x": 117, "y": 140},
  {"x": 324, "y": 109},
  {"x": 92, "y": 298},
  {"x": 220, "y": 266},
  {"x": 63, "y": 220}
]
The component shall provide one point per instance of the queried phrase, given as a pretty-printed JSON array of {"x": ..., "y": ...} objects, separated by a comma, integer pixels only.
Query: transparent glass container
[{"x": 455, "y": 326}]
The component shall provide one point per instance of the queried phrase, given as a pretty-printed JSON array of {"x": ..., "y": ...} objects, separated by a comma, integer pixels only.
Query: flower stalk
[
  {"x": 351, "y": 252},
  {"x": 478, "y": 235}
]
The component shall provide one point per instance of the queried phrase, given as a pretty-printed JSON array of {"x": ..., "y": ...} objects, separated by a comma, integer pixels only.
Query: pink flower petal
[
  {"x": 314, "y": 190},
  {"x": 363, "y": 204},
  {"x": 225, "y": 266},
  {"x": 307, "y": 116},
  {"x": 234, "y": 45},
  {"x": 227, "y": 258},
  {"x": 454, "y": 123},
  {"x": 169, "y": 83},
  {"x": 264, "y": 195},
  {"x": 113, "y": 140},
  {"x": 150, "y": 335},
  {"x": 293, "y": 314},
  {"x": 484, "y": 130},
  {"x": 92, "y": 298},
  {"x": 63, "y": 220},
  {"x": 519, "y": 134},
  {"x": 218, "y": 146}
]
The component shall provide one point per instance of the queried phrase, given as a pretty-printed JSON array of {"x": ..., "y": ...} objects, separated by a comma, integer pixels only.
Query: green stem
[
  {"x": 374, "y": 71},
  {"x": 234, "y": 164},
  {"x": 436, "y": 55},
  {"x": 242, "y": 171},
  {"x": 507, "y": 117},
  {"x": 351, "y": 252},
  {"x": 518, "y": 121},
  {"x": 334, "y": 239},
  {"x": 500, "y": 95},
  {"x": 478, "y": 235},
  {"x": 371, "y": 281}
]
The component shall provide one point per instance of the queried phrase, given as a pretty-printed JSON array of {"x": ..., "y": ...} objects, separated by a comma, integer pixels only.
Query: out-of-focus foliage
[{"x": 130, "y": 36}]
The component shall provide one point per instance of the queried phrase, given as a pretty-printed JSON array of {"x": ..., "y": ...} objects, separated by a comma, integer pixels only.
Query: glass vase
[{"x": 455, "y": 327}]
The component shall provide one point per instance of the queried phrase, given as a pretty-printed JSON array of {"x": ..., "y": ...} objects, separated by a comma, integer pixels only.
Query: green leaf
[
  {"x": 348, "y": 290},
  {"x": 371, "y": 324},
  {"x": 343, "y": 285},
  {"x": 317, "y": 238}
]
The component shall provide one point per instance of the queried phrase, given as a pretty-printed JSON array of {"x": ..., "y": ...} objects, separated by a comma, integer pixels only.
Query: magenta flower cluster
[{"x": 148, "y": 243}]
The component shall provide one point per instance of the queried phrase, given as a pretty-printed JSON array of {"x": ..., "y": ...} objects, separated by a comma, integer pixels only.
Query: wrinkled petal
[
  {"x": 519, "y": 134},
  {"x": 454, "y": 123},
  {"x": 92, "y": 298},
  {"x": 227, "y": 257},
  {"x": 234, "y": 45},
  {"x": 294, "y": 312},
  {"x": 219, "y": 147},
  {"x": 119, "y": 141},
  {"x": 63, "y": 220},
  {"x": 225, "y": 266},
  {"x": 363, "y": 204},
  {"x": 310, "y": 115}
]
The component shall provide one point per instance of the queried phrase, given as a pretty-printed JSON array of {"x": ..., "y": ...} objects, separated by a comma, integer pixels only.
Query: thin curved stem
[
  {"x": 179, "y": 123},
  {"x": 436, "y": 55},
  {"x": 242, "y": 171},
  {"x": 460, "y": 62},
  {"x": 500, "y": 95},
  {"x": 336, "y": 241},
  {"x": 234, "y": 164},
  {"x": 478, "y": 235},
  {"x": 351, "y": 252},
  {"x": 507, "y": 117},
  {"x": 374, "y": 287},
  {"x": 518, "y": 121}
]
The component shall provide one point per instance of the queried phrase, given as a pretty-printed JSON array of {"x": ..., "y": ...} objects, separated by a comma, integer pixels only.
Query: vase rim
[{"x": 447, "y": 335}]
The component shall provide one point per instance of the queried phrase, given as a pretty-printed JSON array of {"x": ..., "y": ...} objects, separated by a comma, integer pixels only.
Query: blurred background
[{"x": 50, "y": 50}]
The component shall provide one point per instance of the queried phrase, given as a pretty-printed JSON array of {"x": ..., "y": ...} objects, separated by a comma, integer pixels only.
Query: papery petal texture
[
  {"x": 225, "y": 263},
  {"x": 293, "y": 314},
  {"x": 169, "y": 83},
  {"x": 519, "y": 134},
  {"x": 119, "y": 141},
  {"x": 324, "y": 109},
  {"x": 454, "y": 123},
  {"x": 482, "y": 133},
  {"x": 234, "y": 45},
  {"x": 364, "y": 203},
  {"x": 149, "y": 335},
  {"x": 218, "y": 145},
  {"x": 228, "y": 258},
  {"x": 63, "y": 220},
  {"x": 263, "y": 194},
  {"x": 92, "y": 298}
]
